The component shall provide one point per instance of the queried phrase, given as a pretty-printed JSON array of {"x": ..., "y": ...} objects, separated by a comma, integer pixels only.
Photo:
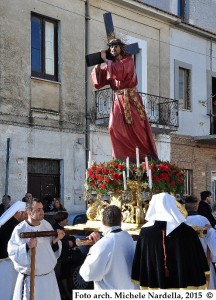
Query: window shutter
[{"x": 49, "y": 48}]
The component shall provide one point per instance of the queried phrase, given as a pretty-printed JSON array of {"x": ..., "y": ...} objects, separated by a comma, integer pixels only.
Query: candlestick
[
  {"x": 147, "y": 166},
  {"x": 127, "y": 166},
  {"x": 89, "y": 160},
  {"x": 137, "y": 157},
  {"x": 124, "y": 180},
  {"x": 150, "y": 179}
]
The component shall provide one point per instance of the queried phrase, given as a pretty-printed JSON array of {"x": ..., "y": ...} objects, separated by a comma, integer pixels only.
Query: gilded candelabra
[{"x": 137, "y": 187}]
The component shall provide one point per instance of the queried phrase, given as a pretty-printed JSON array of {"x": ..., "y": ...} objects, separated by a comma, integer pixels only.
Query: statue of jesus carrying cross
[{"x": 128, "y": 124}]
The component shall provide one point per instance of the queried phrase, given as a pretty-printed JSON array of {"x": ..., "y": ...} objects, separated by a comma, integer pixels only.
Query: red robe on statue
[{"x": 128, "y": 124}]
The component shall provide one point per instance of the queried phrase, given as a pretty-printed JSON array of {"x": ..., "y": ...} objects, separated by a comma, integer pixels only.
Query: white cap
[
  {"x": 163, "y": 207},
  {"x": 10, "y": 212}
]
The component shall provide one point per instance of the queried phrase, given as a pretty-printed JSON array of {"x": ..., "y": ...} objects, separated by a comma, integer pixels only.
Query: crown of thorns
[{"x": 115, "y": 42}]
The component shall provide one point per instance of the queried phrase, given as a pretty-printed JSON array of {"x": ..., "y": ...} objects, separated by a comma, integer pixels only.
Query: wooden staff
[{"x": 32, "y": 276}]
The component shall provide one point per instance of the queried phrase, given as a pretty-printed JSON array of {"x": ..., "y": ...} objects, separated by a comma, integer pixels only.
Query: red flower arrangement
[
  {"x": 108, "y": 177},
  {"x": 166, "y": 177}
]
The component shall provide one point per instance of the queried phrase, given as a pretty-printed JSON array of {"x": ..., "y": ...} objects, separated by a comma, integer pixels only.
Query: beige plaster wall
[{"x": 45, "y": 95}]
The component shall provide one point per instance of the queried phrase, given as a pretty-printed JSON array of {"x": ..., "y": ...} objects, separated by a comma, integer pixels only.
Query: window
[
  {"x": 184, "y": 88},
  {"x": 181, "y": 8},
  {"x": 183, "y": 84},
  {"x": 188, "y": 182},
  {"x": 213, "y": 185},
  {"x": 44, "y": 54}
]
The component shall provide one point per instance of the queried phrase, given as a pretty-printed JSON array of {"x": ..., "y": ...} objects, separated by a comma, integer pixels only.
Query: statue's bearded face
[{"x": 115, "y": 50}]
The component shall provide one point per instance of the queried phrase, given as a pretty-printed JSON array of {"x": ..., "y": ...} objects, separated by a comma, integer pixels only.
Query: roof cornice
[{"x": 166, "y": 17}]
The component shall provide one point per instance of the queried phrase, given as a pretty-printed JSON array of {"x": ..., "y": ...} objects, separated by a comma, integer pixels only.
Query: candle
[
  {"x": 150, "y": 179},
  {"x": 124, "y": 180},
  {"x": 137, "y": 157},
  {"x": 127, "y": 166},
  {"x": 86, "y": 174},
  {"x": 147, "y": 166},
  {"x": 89, "y": 160}
]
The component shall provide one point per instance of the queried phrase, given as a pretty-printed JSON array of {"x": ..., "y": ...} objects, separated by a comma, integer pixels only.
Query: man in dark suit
[
  {"x": 5, "y": 203},
  {"x": 204, "y": 208}
]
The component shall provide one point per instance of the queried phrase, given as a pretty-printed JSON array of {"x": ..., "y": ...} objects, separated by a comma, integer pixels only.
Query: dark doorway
[
  {"x": 43, "y": 177},
  {"x": 213, "y": 86}
]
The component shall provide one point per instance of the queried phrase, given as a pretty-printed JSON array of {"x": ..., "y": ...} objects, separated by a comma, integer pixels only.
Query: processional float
[{"x": 127, "y": 185}]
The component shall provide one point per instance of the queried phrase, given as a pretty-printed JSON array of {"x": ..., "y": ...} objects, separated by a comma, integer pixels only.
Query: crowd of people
[
  {"x": 159, "y": 259},
  {"x": 165, "y": 247}
]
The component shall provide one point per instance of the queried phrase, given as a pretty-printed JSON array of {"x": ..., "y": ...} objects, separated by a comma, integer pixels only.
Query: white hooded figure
[{"x": 8, "y": 220}]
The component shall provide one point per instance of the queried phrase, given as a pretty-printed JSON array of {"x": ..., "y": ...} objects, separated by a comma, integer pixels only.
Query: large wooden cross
[
  {"x": 95, "y": 58},
  {"x": 36, "y": 234}
]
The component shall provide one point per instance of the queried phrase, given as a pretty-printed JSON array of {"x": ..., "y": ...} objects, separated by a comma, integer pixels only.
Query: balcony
[
  {"x": 209, "y": 139},
  {"x": 162, "y": 112}
]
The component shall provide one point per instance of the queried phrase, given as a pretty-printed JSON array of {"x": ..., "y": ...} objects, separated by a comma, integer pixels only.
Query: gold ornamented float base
[
  {"x": 90, "y": 226},
  {"x": 133, "y": 209}
]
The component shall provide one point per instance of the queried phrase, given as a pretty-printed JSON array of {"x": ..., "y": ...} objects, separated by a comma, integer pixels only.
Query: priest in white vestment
[
  {"x": 48, "y": 249},
  {"x": 109, "y": 260}
]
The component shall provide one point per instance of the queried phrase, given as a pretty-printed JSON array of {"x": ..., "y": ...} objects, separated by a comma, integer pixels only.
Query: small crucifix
[{"x": 95, "y": 58}]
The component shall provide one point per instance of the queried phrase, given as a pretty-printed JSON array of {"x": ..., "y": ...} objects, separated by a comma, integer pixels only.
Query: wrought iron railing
[{"x": 160, "y": 110}]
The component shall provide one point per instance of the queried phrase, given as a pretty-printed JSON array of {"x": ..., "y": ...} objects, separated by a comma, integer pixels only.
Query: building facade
[
  {"x": 195, "y": 68},
  {"x": 42, "y": 99},
  {"x": 51, "y": 117},
  {"x": 200, "y": 13}
]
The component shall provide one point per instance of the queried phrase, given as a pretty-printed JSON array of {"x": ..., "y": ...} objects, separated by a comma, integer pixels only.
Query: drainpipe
[
  {"x": 87, "y": 19},
  {"x": 87, "y": 131},
  {"x": 210, "y": 108},
  {"x": 7, "y": 172}
]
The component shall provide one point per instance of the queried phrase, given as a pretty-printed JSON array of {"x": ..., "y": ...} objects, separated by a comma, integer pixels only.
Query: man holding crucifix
[
  {"x": 128, "y": 125},
  {"x": 47, "y": 250}
]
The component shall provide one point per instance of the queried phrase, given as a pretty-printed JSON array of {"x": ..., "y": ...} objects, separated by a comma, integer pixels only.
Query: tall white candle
[
  {"x": 124, "y": 180},
  {"x": 147, "y": 166},
  {"x": 150, "y": 179},
  {"x": 86, "y": 174},
  {"x": 137, "y": 157},
  {"x": 89, "y": 159},
  {"x": 127, "y": 166}
]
